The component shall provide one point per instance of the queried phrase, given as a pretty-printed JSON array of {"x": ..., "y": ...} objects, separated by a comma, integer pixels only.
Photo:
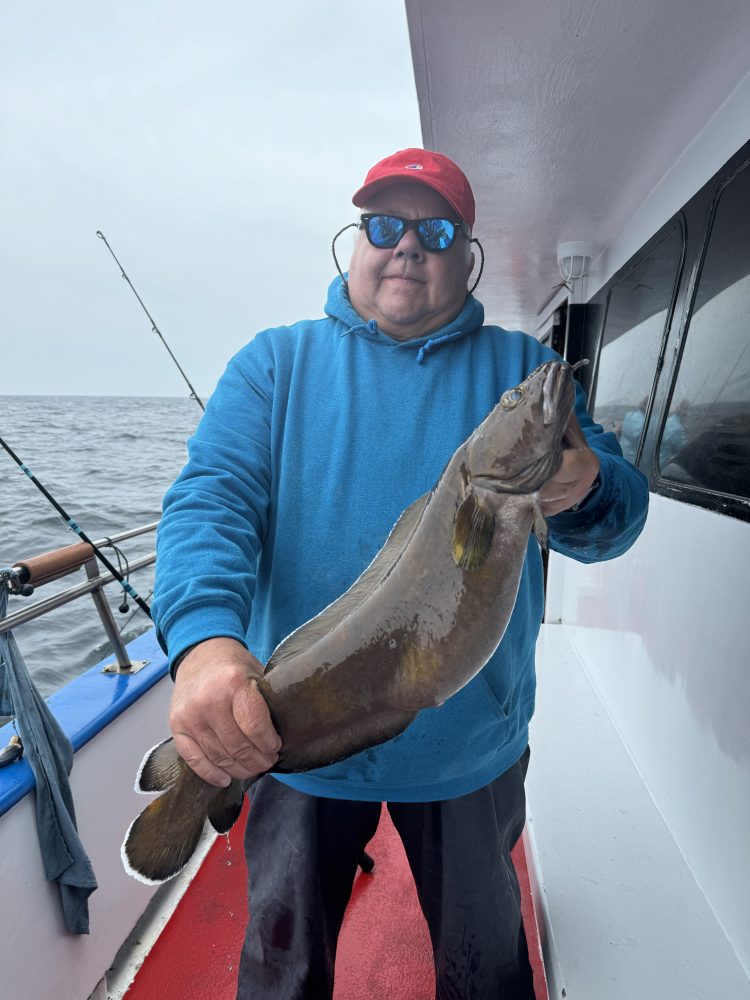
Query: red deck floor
[{"x": 383, "y": 951}]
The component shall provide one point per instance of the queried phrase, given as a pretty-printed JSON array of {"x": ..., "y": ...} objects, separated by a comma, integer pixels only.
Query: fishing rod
[
  {"x": 193, "y": 394},
  {"x": 78, "y": 530}
]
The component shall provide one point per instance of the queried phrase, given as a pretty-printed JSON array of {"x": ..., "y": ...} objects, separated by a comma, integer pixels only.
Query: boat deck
[{"x": 384, "y": 948}]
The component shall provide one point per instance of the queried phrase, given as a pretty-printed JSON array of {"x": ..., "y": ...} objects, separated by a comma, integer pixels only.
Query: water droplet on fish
[{"x": 228, "y": 863}]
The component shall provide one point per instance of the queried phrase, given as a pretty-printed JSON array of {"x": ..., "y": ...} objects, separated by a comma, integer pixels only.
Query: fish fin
[
  {"x": 376, "y": 572},
  {"x": 162, "y": 839},
  {"x": 540, "y": 527},
  {"x": 225, "y": 808},
  {"x": 473, "y": 529},
  {"x": 160, "y": 768}
]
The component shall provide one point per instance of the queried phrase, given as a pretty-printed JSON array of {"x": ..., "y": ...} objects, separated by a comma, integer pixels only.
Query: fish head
[{"x": 519, "y": 445}]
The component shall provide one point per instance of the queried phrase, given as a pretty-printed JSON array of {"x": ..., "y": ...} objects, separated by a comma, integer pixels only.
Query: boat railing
[{"x": 29, "y": 574}]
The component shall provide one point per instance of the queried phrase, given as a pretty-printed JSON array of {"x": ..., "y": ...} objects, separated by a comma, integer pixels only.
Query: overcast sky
[{"x": 216, "y": 145}]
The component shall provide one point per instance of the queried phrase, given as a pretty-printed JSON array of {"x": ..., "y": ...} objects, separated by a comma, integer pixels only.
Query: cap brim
[{"x": 368, "y": 190}]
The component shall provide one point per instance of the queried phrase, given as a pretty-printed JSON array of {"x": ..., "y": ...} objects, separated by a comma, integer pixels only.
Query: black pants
[{"x": 302, "y": 854}]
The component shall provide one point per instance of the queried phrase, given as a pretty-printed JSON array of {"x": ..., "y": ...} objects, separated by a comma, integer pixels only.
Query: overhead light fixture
[{"x": 574, "y": 259}]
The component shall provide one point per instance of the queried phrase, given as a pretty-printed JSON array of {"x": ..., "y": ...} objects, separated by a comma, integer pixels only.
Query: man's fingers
[
  {"x": 249, "y": 761},
  {"x": 253, "y": 718},
  {"x": 196, "y": 759},
  {"x": 220, "y": 721},
  {"x": 248, "y": 737},
  {"x": 556, "y": 494},
  {"x": 239, "y": 755},
  {"x": 558, "y": 486},
  {"x": 557, "y": 507},
  {"x": 216, "y": 762},
  {"x": 571, "y": 482}
]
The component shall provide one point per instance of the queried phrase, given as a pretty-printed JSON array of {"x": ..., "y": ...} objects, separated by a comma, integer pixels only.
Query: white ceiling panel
[{"x": 565, "y": 115}]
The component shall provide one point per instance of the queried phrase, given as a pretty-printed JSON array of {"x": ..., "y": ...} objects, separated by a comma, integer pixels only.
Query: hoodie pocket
[{"x": 498, "y": 706}]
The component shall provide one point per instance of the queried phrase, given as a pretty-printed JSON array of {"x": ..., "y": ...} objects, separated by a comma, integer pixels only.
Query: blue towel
[{"x": 50, "y": 755}]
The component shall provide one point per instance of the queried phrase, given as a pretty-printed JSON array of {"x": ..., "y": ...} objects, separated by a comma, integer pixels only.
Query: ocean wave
[{"x": 108, "y": 461}]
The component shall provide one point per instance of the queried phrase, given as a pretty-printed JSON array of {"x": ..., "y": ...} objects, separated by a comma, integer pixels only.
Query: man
[{"x": 316, "y": 439}]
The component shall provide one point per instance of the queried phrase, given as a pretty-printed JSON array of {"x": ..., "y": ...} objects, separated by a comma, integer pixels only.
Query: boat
[{"x": 608, "y": 148}]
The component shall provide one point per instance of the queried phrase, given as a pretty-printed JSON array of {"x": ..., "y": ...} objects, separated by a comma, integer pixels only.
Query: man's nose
[{"x": 409, "y": 246}]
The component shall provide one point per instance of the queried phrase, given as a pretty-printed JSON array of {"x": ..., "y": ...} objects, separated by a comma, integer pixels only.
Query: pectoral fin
[
  {"x": 472, "y": 532},
  {"x": 540, "y": 527}
]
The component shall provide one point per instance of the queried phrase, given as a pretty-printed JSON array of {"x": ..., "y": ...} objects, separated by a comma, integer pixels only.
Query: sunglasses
[{"x": 387, "y": 231}]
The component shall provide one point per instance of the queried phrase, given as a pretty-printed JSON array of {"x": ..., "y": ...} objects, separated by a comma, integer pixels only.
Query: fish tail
[
  {"x": 160, "y": 768},
  {"x": 225, "y": 808},
  {"x": 163, "y": 838}
]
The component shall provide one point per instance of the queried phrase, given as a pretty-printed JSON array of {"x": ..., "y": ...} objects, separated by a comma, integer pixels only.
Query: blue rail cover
[{"x": 85, "y": 706}]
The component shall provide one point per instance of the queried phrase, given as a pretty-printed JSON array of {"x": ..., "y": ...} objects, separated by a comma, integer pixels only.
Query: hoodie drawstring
[{"x": 429, "y": 344}]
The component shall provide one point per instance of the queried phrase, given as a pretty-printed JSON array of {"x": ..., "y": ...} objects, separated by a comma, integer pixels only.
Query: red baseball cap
[{"x": 424, "y": 167}]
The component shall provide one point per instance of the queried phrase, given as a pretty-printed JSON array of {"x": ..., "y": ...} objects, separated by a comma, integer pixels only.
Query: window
[
  {"x": 634, "y": 327},
  {"x": 705, "y": 440}
]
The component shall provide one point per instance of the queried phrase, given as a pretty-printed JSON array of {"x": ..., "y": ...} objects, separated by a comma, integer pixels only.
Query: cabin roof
[{"x": 565, "y": 116}]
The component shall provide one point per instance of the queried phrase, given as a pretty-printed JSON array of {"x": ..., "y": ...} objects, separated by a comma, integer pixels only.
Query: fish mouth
[
  {"x": 493, "y": 483},
  {"x": 557, "y": 383},
  {"x": 518, "y": 484}
]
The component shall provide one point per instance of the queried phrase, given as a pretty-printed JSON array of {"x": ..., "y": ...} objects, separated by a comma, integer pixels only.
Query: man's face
[{"x": 407, "y": 290}]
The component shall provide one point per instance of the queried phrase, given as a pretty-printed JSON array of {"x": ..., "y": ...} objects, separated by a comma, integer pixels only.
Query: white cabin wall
[
  {"x": 662, "y": 633},
  {"x": 41, "y": 960}
]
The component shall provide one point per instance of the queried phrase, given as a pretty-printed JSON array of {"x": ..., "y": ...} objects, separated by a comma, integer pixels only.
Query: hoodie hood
[{"x": 338, "y": 306}]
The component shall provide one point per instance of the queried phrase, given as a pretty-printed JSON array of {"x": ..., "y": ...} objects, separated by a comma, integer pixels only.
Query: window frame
[
  {"x": 701, "y": 496},
  {"x": 696, "y": 219},
  {"x": 676, "y": 223}
]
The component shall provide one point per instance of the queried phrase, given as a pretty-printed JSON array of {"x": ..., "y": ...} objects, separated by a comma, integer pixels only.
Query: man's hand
[
  {"x": 220, "y": 722},
  {"x": 576, "y": 474}
]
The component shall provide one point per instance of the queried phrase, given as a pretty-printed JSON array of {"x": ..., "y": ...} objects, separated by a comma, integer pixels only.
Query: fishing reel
[{"x": 13, "y": 580}]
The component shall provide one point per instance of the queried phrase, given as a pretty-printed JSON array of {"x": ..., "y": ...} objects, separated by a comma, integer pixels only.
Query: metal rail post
[{"x": 123, "y": 664}]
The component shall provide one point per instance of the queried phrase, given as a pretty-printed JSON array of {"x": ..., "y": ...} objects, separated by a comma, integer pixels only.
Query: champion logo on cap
[{"x": 413, "y": 166}]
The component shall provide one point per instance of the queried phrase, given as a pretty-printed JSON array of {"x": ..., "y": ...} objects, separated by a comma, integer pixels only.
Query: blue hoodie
[{"x": 315, "y": 440}]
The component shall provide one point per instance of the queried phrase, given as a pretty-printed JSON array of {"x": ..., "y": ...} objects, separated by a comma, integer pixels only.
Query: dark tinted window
[
  {"x": 639, "y": 306},
  {"x": 706, "y": 438}
]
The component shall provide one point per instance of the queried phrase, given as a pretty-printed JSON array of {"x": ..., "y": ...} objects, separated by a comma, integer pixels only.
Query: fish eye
[{"x": 511, "y": 398}]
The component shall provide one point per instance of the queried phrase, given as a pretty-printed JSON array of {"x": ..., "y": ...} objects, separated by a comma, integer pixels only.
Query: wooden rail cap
[{"x": 53, "y": 565}]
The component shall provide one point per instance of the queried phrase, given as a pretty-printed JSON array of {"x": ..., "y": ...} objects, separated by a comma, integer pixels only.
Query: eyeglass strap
[
  {"x": 481, "y": 266},
  {"x": 333, "y": 251}
]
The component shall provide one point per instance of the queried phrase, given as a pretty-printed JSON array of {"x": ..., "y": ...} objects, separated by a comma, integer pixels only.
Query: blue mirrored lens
[
  {"x": 385, "y": 230},
  {"x": 436, "y": 234}
]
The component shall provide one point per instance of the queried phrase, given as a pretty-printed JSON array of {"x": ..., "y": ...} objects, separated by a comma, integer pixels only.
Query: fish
[
  {"x": 420, "y": 622},
  {"x": 12, "y": 752}
]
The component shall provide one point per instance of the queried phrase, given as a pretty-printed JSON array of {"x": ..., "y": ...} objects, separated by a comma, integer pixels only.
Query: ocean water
[{"x": 108, "y": 461}]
